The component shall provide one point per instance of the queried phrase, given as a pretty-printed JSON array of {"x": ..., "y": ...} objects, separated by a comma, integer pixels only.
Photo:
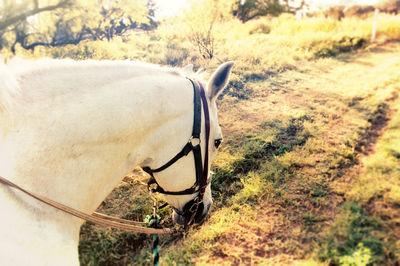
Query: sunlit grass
[
  {"x": 382, "y": 173},
  {"x": 381, "y": 176},
  {"x": 295, "y": 124},
  {"x": 339, "y": 120},
  {"x": 366, "y": 230}
]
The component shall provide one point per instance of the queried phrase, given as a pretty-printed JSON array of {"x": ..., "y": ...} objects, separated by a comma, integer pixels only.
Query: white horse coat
[{"x": 71, "y": 130}]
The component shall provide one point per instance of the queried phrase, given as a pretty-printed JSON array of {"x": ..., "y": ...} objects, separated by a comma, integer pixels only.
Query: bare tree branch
[
  {"x": 257, "y": 8},
  {"x": 23, "y": 16},
  {"x": 65, "y": 36},
  {"x": 114, "y": 21}
]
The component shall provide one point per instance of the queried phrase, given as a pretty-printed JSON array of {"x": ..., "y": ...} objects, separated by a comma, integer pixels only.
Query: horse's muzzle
[{"x": 191, "y": 214}]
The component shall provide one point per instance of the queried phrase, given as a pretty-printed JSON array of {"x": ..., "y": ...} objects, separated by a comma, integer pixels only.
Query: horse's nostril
[
  {"x": 190, "y": 215},
  {"x": 202, "y": 215},
  {"x": 206, "y": 210},
  {"x": 208, "y": 207}
]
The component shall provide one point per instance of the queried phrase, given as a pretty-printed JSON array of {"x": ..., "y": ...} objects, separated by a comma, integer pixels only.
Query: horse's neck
[
  {"x": 31, "y": 238},
  {"x": 75, "y": 147}
]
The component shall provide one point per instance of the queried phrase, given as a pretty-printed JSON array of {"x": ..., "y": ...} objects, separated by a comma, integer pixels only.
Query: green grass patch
[
  {"x": 258, "y": 151},
  {"x": 366, "y": 230},
  {"x": 351, "y": 234},
  {"x": 100, "y": 246},
  {"x": 332, "y": 47},
  {"x": 105, "y": 246}
]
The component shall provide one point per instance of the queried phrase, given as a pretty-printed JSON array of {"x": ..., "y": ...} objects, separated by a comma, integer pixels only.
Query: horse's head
[{"x": 191, "y": 203}]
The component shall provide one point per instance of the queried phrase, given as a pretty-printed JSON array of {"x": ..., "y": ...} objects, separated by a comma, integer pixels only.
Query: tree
[
  {"x": 390, "y": 6},
  {"x": 31, "y": 24},
  {"x": 12, "y": 12},
  {"x": 246, "y": 10},
  {"x": 201, "y": 18},
  {"x": 152, "y": 8},
  {"x": 335, "y": 12}
]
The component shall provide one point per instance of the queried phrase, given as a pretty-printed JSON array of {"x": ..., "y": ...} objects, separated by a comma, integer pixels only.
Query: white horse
[{"x": 71, "y": 130}]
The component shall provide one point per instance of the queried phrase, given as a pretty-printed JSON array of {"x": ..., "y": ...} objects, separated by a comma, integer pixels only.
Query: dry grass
[
  {"x": 282, "y": 213},
  {"x": 298, "y": 146}
]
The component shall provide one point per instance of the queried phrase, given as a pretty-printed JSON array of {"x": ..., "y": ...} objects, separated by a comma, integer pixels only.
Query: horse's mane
[
  {"x": 9, "y": 87},
  {"x": 21, "y": 66},
  {"x": 17, "y": 67}
]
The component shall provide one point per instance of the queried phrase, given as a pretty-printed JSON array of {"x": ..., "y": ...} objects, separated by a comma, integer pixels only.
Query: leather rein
[{"x": 199, "y": 186}]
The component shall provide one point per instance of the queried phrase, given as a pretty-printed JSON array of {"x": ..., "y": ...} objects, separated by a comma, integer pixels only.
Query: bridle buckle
[
  {"x": 195, "y": 141},
  {"x": 195, "y": 206}
]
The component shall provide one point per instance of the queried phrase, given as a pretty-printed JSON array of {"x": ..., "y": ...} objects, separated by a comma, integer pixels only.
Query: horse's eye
[{"x": 217, "y": 142}]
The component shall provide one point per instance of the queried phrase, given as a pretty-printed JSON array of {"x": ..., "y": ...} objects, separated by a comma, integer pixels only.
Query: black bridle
[{"x": 193, "y": 208}]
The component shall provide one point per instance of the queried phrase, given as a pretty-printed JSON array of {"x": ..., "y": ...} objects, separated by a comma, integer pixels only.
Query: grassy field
[
  {"x": 309, "y": 169},
  {"x": 308, "y": 173}
]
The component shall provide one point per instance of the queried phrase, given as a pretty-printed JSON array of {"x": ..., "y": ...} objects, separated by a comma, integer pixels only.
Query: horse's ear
[{"x": 219, "y": 80}]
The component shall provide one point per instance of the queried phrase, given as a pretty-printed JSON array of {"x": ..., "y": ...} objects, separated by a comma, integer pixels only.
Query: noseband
[{"x": 192, "y": 145}]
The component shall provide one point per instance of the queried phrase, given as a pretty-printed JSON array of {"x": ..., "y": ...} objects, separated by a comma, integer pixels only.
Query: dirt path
[{"x": 336, "y": 93}]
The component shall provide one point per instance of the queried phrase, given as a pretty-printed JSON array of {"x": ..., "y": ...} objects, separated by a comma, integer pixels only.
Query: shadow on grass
[{"x": 257, "y": 152}]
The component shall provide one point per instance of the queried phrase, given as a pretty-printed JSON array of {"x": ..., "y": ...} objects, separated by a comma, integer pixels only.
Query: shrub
[
  {"x": 259, "y": 27},
  {"x": 175, "y": 54}
]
